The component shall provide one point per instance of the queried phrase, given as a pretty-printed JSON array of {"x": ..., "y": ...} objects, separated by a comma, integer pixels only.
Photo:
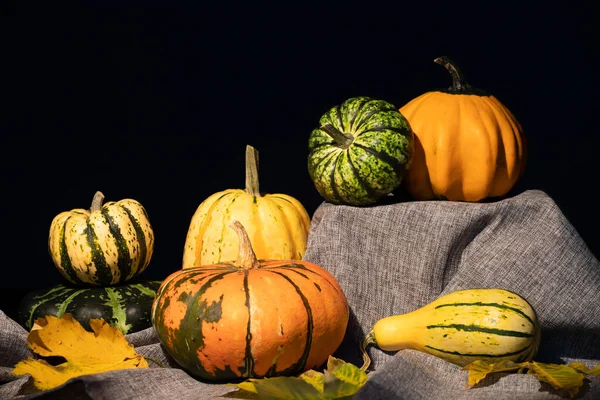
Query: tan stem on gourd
[
  {"x": 246, "y": 258},
  {"x": 97, "y": 201},
  {"x": 341, "y": 139},
  {"x": 459, "y": 84},
  {"x": 369, "y": 339},
  {"x": 252, "y": 171}
]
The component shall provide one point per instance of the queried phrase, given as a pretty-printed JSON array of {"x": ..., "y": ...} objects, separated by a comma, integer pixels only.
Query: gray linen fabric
[
  {"x": 395, "y": 258},
  {"x": 392, "y": 259}
]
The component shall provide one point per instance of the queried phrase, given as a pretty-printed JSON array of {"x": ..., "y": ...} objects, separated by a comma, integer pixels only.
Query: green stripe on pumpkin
[
  {"x": 123, "y": 257},
  {"x": 54, "y": 293},
  {"x": 323, "y": 164},
  {"x": 141, "y": 239},
  {"x": 114, "y": 301},
  {"x": 358, "y": 110},
  {"x": 372, "y": 107},
  {"x": 398, "y": 167},
  {"x": 339, "y": 121},
  {"x": 301, "y": 363},
  {"x": 295, "y": 266},
  {"x": 198, "y": 312},
  {"x": 316, "y": 147},
  {"x": 65, "y": 260},
  {"x": 333, "y": 188},
  {"x": 143, "y": 290},
  {"x": 483, "y": 329},
  {"x": 248, "y": 369},
  {"x": 370, "y": 192},
  {"x": 496, "y": 305},
  {"x": 400, "y": 130},
  {"x": 103, "y": 272},
  {"x": 480, "y": 355}
]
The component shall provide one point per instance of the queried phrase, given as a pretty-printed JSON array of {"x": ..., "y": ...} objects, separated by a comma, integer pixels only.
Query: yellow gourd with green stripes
[
  {"x": 107, "y": 244},
  {"x": 463, "y": 326}
]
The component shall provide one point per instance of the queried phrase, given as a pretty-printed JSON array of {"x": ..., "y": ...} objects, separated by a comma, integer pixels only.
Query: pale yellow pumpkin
[
  {"x": 105, "y": 245},
  {"x": 277, "y": 224},
  {"x": 468, "y": 145}
]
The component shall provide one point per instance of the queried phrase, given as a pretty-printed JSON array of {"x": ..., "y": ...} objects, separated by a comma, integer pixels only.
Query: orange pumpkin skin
[
  {"x": 223, "y": 322},
  {"x": 468, "y": 145}
]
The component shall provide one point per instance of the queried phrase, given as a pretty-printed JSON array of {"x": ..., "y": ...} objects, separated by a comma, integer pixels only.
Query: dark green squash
[
  {"x": 126, "y": 307},
  {"x": 360, "y": 152}
]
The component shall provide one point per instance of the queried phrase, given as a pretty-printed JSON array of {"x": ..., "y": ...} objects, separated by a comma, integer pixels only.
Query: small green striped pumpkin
[
  {"x": 108, "y": 244},
  {"x": 126, "y": 307},
  {"x": 464, "y": 326},
  {"x": 360, "y": 152}
]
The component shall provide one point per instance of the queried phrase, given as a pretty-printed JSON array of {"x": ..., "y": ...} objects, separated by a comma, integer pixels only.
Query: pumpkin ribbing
[
  {"x": 105, "y": 245},
  {"x": 277, "y": 224},
  {"x": 360, "y": 152},
  {"x": 250, "y": 318},
  {"x": 468, "y": 145},
  {"x": 126, "y": 307}
]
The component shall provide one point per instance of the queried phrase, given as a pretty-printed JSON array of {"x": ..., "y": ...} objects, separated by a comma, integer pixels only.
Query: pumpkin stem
[
  {"x": 369, "y": 339},
  {"x": 246, "y": 258},
  {"x": 459, "y": 84},
  {"x": 97, "y": 201},
  {"x": 252, "y": 171},
  {"x": 341, "y": 139}
]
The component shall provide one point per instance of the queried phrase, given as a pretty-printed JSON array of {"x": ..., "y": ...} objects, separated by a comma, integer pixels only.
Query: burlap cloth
[{"x": 392, "y": 259}]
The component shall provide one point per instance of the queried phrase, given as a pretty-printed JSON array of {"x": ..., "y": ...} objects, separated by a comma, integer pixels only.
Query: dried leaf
[
  {"x": 340, "y": 380},
  {"x": 561, "y": 377},
  {"x": 281, "y": 387},
  {"x": 315, "y": 378},
  {"x": 567, "y": 378},
  {"x": 585, "y": 370},
  {"x": 479, "y": 369},
  {"x": 104, "y": 349}
]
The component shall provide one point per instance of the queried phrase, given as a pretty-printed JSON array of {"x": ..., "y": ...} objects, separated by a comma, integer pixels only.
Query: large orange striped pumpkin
[{"x": 250, "y": 318}]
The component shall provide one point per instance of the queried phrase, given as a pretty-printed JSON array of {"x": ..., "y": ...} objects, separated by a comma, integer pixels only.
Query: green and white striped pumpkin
[
  {"x": 108, "y": 244},
  {"x": 464, "y": 326},
  {"x": 360, "y": 152},
  {"x": 126, "y": 307}
]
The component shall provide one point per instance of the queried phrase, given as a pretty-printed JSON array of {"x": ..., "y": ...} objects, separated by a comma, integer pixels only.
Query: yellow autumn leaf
[
  {"x": 104, "y": 349},
  {"x": 566, "y": 378},
  {"x": 561, "y": 377},
  {"x": 340, "y": 380},
  {"x": 479, "y": 369},
  {"x": 585, "y": 370}
]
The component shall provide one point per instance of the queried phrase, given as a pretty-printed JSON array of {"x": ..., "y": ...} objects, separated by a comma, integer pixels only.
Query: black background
[{"x": 158, "y": 104}]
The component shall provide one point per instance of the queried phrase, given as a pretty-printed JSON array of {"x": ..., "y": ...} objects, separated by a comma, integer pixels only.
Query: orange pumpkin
[
  {"x": 468, "y": 145},
  {"x": 250, "y": 318}
]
